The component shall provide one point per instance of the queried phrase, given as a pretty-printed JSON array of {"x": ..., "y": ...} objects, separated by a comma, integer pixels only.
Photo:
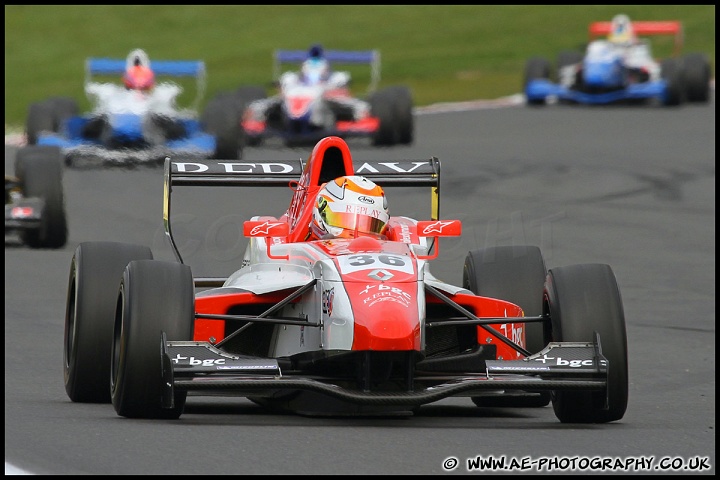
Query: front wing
[
  {"x": 542, "y": 89},
  {"x": 200, "y": 367}
]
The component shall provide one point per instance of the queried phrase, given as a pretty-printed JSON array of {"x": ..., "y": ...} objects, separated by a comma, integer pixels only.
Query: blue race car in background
[
  {"x": 129, "y": 126},
  {"x": 621, "y": 68}
]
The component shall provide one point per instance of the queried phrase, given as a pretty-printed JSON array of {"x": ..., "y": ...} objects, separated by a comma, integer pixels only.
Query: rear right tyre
[
  {"x": 39, "y": 169},
  {"x": 221, "y": 118},
  {"x": 671, "y": 72}
]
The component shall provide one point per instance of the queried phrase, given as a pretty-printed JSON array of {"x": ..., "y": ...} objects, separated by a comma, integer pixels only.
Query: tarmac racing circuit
[{"x": 633, "y": 187}]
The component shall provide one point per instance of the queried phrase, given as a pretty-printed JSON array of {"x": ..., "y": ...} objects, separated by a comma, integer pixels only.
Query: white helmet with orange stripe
[{"x": 348, "y": 207}]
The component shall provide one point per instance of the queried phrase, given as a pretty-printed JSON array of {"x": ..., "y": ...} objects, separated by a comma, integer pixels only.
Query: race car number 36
[{"x": 368, "y": 261}]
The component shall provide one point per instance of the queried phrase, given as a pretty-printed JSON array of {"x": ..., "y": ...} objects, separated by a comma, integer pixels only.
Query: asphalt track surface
[{"x": 633, "y": 187}]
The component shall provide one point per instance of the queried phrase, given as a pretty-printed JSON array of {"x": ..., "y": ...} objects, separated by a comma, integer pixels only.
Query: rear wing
[
  {"x": 207, "y": 173},
  {"x": 348, "y": 57},
  {"x": 167, "y": 68},
  {"x": 598, "y": 29}
]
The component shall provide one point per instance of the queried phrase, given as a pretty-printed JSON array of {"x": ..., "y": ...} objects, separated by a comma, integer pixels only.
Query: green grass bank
[{"x": 444, "y": 53}]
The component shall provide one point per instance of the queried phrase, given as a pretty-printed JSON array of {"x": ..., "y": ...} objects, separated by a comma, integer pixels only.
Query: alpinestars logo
[
  {"x": 264, "y": 228},
  {"x": 436, "y": 227}
]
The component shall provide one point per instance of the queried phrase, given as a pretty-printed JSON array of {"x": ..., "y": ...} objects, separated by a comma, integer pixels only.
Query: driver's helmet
[
  {"x": 349, "y": 207},
  {"x": 315, "y": 69},
  {"x": 139, "y": 78},
  {"x": 138, "y": 75},
  {"x": 621, "y": 31}
]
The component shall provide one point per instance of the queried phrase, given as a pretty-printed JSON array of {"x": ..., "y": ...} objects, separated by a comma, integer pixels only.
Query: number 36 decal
[{"x": 369, "y": 261}]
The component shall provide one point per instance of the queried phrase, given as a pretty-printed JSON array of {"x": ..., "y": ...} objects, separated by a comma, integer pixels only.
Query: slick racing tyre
[
  {"x": 95, "y": 274},
  {"x": 582, "y": 300},
  {"x": 63, "y": 108},
  {"x": 49, "y": 116},
  {"x": 403, "y": 106},
  {"x": 696, "y": 70},
  {"x": 382, "y": 107},
  {"x": 39, "y": 169},
  {"x": 671, "y": 72},
  {"x": 40, "y": 119},
  {"x": 221, "y": 119},
  {"x": 566, "y": 59},
  {"x": 155, "y": 297},
  {"x": 516, "y": 274},
  {"x": 536, "y": 68},
  {"x": 244, "y": 97}
]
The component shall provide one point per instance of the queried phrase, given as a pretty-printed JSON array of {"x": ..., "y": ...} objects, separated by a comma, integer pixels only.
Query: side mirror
[
  {"x": 267, "y": 229},
  {"x": 436, "y": 229}
]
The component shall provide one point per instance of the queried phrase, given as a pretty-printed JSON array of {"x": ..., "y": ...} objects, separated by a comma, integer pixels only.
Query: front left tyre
[
  {"x": 582, "y": 301},
  {"x": 155, "y": 298}
]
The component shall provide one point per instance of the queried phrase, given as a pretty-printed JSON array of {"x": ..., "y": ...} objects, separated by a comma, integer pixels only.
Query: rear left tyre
[
  {"x": 515, "y": 274},
  {"x": 95, "y": 273}
]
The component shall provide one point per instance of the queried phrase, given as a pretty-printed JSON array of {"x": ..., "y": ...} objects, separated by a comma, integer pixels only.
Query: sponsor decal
[
  {"x": 365, "y": 199},
  {"x": 233, "y": 167},
  {"x": 503, "y": 367},
  {"x": 205, "y": 362},
  {"x": 327, "y": 301},
  {"x": 264, "y": 229},
  {"x": 373, "y": 261},
  {"x": 405, "y": 233},
  {"x": 380, "y": 275},
  {"x": 247, "y": 367},
  {"x": 22, "y": 212},
  {"x": 406, "y": 167},
  {"x": 385, "y": 293},
  {"x": 436, "y": 227},
  {"x": 560, "y": 362},
  {"x": 514, "y": 331}
]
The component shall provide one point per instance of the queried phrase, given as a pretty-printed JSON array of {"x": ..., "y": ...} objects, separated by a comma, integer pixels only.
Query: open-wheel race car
[
  {"x": 621, "y": 68},
  {"x": 138, "y": 123},
  {"x": 341, "y": 326},
  {"x": 317, "y": 102},
  {"x": 34, "y": 199}
]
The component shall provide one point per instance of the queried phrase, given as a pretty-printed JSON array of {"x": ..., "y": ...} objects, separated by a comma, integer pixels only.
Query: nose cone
[
  {"x": 386, "y": 316},
  {"x": 392, "y": 330},
  {"x": 602, "y": 73}
]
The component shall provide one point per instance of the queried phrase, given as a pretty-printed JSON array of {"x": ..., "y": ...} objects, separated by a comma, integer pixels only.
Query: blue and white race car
[
  {"x": 620, "y": 68},
  {"x": 136, "y": 123}
]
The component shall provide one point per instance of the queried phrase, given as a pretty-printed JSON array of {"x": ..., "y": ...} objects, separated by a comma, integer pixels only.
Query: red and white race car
[{"x": 344, "y": 326}]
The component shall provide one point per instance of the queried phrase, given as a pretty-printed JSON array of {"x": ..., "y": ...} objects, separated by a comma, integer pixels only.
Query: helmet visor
[{"x": 353, "y": 223}]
